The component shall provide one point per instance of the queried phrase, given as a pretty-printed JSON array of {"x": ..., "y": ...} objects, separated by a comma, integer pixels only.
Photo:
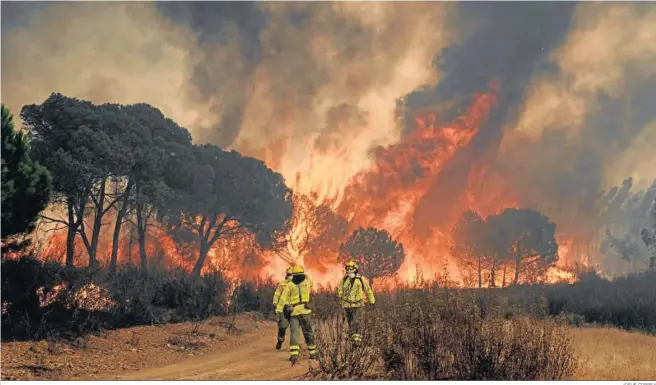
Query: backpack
[{"x": 358, "y": 278}]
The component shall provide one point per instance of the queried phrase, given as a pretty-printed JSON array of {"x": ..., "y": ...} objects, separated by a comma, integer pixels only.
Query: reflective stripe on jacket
[
  {"x": 278, "y": 292},
  {"x": 297, "y": 296},
  {"x": 353, "y": 291}
]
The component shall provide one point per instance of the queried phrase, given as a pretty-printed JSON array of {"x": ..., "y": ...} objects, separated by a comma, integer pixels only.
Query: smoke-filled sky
[{"x": 576, "y": 109}]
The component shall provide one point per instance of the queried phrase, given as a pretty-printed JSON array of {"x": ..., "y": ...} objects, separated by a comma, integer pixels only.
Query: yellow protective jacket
[
  {"x": 278, "y": 292},
  {"x": 297, "y": 296},
  {"x": 353, "y": 292}
]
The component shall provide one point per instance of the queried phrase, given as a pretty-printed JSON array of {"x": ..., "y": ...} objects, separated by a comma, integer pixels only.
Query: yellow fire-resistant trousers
[
  {"x": 299, "y": 323},
  {"x": 354, "y": 317},
  {"x": 283, "y": 324}
]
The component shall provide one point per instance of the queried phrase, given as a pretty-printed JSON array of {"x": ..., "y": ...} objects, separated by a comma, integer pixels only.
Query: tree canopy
[
  {"x": 25, "y": 183},
  {"x": 137, "y": 164},
  {"x": 313, "y": 229},
  {"x": 527, "y": 238},
  {"x": 520, "y": 241},
  {"x": 649, "y": 237},
  {"x": 105, "y": 159},
  {"x": 84, "y": 146},
  {"x": 625, "y": 223},
  {"x": 377, "y": 254},
  {"x": 229, "y": 194},
  {"x": 470, "y": 246}
]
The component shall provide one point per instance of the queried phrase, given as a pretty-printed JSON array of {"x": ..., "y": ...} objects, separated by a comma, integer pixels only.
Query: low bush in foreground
[
  {"x": 42, "y": 300},
  {"x": 626, "y": 302},
  {"x": 444, "y": 335}
]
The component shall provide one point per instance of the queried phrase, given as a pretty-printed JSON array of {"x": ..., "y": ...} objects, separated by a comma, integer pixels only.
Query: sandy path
[
  {"x": 253, "y": 357},
  {"x": 604, "y": 353}
]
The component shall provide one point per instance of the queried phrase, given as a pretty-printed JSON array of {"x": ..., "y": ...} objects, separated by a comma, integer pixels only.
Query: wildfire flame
[
  {"x": 385, "y": 191},
  {"x": 89, "y": 297}
]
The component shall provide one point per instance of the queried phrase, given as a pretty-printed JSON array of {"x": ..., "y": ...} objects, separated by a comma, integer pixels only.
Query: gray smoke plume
[
  {"x": 507, "y": 42},
  {"x": 212, "y": 72},
  {"x": 584, "y": 127},
  {"x": 295, "y": 83}
]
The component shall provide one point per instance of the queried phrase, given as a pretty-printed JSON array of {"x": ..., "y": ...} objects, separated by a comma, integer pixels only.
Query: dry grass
[
  {"x": 436, "y": 335},
  {"x": 612, "y": 354}
]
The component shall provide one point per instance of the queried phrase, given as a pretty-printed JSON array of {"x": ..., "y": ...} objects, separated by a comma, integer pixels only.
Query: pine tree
[{"x": 25, "y": 183}]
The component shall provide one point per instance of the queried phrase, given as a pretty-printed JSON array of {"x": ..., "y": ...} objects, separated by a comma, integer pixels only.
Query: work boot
[
  {"x": 314, "y": 356},
  {"x": 294, "y": 359},
  {"x": 278, "y": 345}
]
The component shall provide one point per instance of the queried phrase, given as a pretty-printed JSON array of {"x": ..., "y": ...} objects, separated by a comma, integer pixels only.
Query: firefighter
[
  {"x": 283, "y": 322},
  {"x": 295, "y": 303},
  {"x": 352, "y": 291}
]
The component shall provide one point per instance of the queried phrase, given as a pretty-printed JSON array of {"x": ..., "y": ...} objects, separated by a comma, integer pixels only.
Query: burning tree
[
  {"x": 71, "y": 138},
  {"x": 105, "y": 159},
  {"x": 526, "y": 239},
  {"x": 25, "y": 183},
  {"x": 160, "y": 165},
  {"x": 313, "y": 229},
  {"x": 377, "y": 254},
  {"x": 520, "y": 241},
  {"x": 230, "y": 196},
  {"x": 470, "y": 246}
]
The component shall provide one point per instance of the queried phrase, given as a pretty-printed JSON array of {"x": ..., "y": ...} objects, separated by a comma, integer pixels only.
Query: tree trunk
[
  {"x": 503, "y": 281},
  {"x": 70, "y": 236},
  {"x": 204, "y": 249},
  {"x": 480, "y": 273},
  {"x": 130, "y": 246},
  {"x": 115, "y": 241},
  {"x": 518, "y": 264},
  {"x": 492, "y": 275},
  {"x": 97, "y": 224},
  {"x": 141, "y": 231},
  {"x": 117, "y": 227}
]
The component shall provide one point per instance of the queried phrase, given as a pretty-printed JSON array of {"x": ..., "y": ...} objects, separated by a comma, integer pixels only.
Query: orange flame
[
  {"x": 383, "y": 189},
  {"x": 385, "y": 193},
  {"x": 90, "y": 297}
]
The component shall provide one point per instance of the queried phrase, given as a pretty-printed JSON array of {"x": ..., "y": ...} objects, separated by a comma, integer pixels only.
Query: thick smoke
[
  {"x": 296, "y": 83},
  {"x": 118, "y": 52},
  {"x": 507, "y": 43},
  {"x": 221, "y": 69},
  {"x": 587, "y": 125},
  {"x": 244, "y": 75},
  {"x": 329, "y": 80}
]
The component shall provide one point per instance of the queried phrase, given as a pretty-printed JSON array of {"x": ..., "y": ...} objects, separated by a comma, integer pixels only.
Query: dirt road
[
  {"x": 221, "y": 348},
  {"x": 605, "y": 353},
  {"x": 252, "y": 357},
  {"x": 246, "y": 352}
]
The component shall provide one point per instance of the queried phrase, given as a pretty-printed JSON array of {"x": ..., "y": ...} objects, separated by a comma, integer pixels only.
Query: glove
[
  {"x": 307, "y": 306},
  {"x": 287, "y": 310}
]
